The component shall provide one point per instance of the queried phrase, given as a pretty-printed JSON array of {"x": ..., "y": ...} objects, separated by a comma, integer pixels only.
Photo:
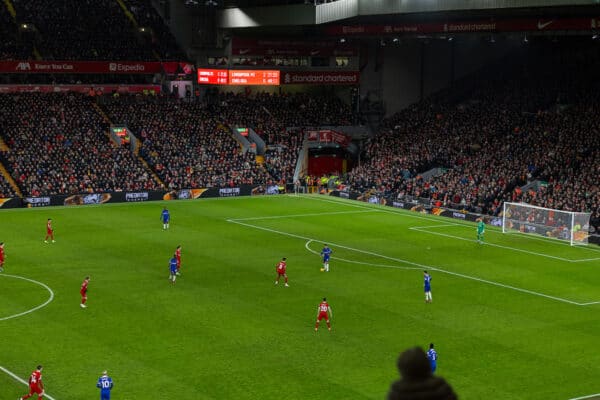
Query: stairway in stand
[
  {"x": 136, "y": 151},
  {"x": 4, "y": 172}
]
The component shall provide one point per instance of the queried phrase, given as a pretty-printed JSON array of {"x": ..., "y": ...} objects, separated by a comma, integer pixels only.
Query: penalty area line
[
  {"x": 23, "y": 381},
  {"x": 424, "y": 230},
  {"x": 590, "y": 396}
]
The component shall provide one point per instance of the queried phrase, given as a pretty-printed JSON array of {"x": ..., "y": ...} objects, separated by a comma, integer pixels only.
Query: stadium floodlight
[{"x": 556, "y": 224}]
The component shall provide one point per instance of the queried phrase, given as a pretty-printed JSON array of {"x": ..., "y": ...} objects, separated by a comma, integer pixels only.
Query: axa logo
[
  {"x": 23, "y": 66},
  {"x": 112, "y": 66}
]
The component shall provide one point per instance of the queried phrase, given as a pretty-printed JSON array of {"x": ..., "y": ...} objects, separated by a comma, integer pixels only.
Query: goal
[{"x": 562, "y": 225}]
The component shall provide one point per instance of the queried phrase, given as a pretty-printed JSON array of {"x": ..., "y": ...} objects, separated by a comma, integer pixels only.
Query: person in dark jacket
[{"x": 417, "y": 381}]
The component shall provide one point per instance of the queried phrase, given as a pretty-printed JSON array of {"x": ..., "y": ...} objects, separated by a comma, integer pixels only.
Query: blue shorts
[
  {"x": 433, "y": 365},
  {"x": 105, "y": 395}
]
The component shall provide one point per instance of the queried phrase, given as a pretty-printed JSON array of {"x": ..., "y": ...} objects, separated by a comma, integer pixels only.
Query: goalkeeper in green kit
[{"x": 480, "y": 230}]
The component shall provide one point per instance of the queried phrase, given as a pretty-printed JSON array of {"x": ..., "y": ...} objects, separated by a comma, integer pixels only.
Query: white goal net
[{"x": 562, "y": 225}]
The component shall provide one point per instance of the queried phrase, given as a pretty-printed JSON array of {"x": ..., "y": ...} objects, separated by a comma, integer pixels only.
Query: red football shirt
[
  {"x": 84, "y": 286},
  {"x": 1, "y": 253},
  {"x": 178, "y": 254},
  {"x": 281, "y": 267},
  {"x": 35, "y": 378},
  {"x": 323, "y": 307},
  {"x": 49, "y": 226}
]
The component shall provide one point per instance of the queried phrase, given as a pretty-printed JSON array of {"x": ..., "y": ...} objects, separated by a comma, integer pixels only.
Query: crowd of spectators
[
  {"x": 94, "y": 30},
  {"x": 187, "y": 144},
  {"x": 58, "y": 145},
  {"x": 6, "y": 190},
  {"x": 279, "y": 120},
  {"x": 510, "y": 131}
]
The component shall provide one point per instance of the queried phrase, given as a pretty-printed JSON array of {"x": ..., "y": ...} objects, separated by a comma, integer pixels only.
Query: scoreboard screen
[
  {"x": 238, "y": 77},
  {"x": 253, "y": 77},
  {"x": 212, "y": 76}
]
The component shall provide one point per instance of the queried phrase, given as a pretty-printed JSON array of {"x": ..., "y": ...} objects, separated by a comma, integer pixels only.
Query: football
[{"x": 322, "y": 269}]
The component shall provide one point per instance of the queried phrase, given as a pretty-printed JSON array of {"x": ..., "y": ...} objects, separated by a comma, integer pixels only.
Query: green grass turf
[{"x": 224, "y": 331}]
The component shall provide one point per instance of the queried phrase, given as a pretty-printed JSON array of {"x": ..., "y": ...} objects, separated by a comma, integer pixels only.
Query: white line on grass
[
  {"x": 586, "y": 397},
  {"x": 358, "y": 262},
  {"x": 422, "y": 229},
  {"x": 34, "y": 308},
  {"x": 23, "y": 381},
  {"x": 305, "y": 215},
  {"x": 586, "y": 259},
  {"x": 420, "y": 266}
]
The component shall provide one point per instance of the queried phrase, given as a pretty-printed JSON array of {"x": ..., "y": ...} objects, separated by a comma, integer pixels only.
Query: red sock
[
  {"x": 83, "y": 300},
  {"x": 286, "y": 279},
  {"x": 317, "y": 325},
  {"x": 328, "y": 324}
]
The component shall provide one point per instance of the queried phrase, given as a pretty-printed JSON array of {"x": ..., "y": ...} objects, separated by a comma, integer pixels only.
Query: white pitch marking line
[
  {"x": 491, "y": 244},
  {"x": 359, "y": 262},
  {"x": 303, "y": 215},
  {"x": 34, "y": 308},
  {"x": 421, "y": 266},
  {"x": 23, "y": 381},
  {"x": 586, "y": 397},
  {"x": 586, "y": 259}
]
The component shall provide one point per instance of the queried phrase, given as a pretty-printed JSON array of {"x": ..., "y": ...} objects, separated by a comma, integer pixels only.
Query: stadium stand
[
  {"x": 105, "y": 33},
  {"x": 58, "y": 145},
  {"x": 186, "y": 145},
  {"x": 506, "y": 134}
]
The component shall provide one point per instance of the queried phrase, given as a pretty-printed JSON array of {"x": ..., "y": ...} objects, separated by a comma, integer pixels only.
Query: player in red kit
[
  {"x": 324, "y": 313},
  {"x": 281, "y": 267},
  {"x": 83, "y": 291},
  {"x": 178, "y": 257},
  {"x": 35, "y": 384},
  {"x": 49, "y": 231},
  {"x": 1, "y": 256}
]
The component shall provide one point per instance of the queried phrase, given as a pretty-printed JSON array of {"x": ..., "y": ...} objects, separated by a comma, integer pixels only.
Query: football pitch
[{"x": 515, "y": 318}]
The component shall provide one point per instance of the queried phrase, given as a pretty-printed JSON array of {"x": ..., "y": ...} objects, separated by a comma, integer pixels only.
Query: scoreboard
[
  {"x": 213, "y": 77},
  {"x": 253, "y": 77},
  {"x": 238, "y": 77}
]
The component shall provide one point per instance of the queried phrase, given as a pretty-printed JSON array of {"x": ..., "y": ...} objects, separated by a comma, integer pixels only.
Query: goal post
[{"x": 556, "y": 224}]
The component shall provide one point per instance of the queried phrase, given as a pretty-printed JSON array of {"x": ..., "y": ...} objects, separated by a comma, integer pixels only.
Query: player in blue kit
[
  {"x": 173, "y": 269},
  {"x": 166, "y": 218},
  {"x": 432, "y": 356},
  {"x": 326, "y": 253},
  {"x": 427, "y": 286},
  {"x": 105, "y": 385}
]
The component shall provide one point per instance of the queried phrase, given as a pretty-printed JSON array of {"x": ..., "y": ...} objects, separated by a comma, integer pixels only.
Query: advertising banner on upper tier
[
  {"x": 78, "y": 88},
  {"x": 320, "y": 78},
  {"x": 470, "y": 26},
  {"x": 288, "y": 47},
  {"x": 87, "y": 67}
]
